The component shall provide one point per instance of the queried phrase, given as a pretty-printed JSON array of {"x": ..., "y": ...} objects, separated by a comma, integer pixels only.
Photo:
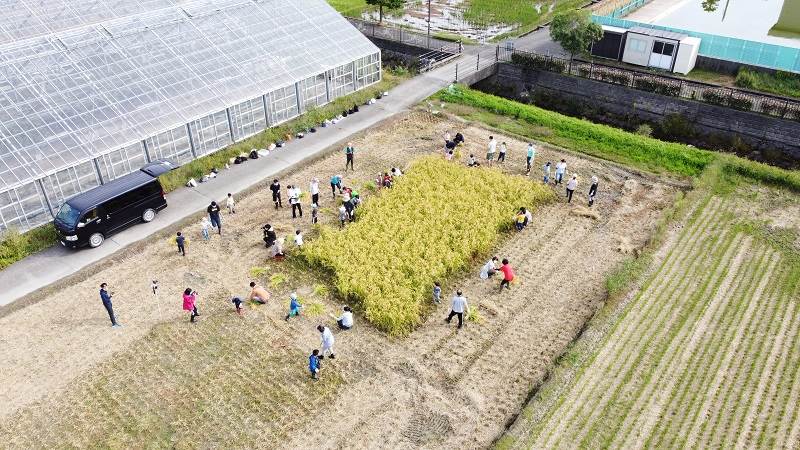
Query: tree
[
  {"x": 388, "y": 4},
  {"x": 575, "y": 31}
]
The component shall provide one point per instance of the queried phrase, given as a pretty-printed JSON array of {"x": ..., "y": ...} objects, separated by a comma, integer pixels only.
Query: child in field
[
  {"x": 298, "y": 238},
  {"x": 342, "y": 216},
  {"x": 314, "y": 364},
  {"x": 531, "y": 155},
  {"x": 437, "y": 292},
  {"x": 561, "y": 170},
  {"x": 546, "y": 172},
  {"x": 230, "y": 203},
  {"x": 314, "y": 212},
  {"x": 181, "y": 241},
  {"x": 237, "y": 302},
  {"x": 204, "y": 226},
  {"x": 449, "y": 155},
  {"x": 502, "y": 156},
  {"x": 345, "y": 321},
  {"x": 471, "y": 162},
  {"x": 294, "y": 306},
  {"x": 190, "y": 303},
  {"x": 519, "y": 220},
  {"x": 593, "y": 190},
  {"x": 508, "y": 275}
]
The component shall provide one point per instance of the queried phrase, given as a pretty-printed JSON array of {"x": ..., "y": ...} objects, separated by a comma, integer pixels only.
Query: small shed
[
  {"x": 611, "y": 44},
  {"x": 662, "y": 49}
]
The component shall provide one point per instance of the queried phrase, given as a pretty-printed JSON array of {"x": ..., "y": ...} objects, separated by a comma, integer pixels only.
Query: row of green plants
[
  {"x": 15, "y": 245},
  {"x": 779, "y": 83},
  {"x": 541, "y": 62},
  {"x": 311, "y": 118},
  {"x": 617, "y": 145},
  {"x": 432, "y": 224}
]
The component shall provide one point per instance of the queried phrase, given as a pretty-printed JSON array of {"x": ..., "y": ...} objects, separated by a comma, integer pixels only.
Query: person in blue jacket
[
  {"x": 294, "y": 306},
  {"x": 106, "y": 298},
  {"x": 314, "y": 364}
]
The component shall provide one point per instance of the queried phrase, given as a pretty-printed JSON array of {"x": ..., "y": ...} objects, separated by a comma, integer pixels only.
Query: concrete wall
[{"x": 765, "y": 134}]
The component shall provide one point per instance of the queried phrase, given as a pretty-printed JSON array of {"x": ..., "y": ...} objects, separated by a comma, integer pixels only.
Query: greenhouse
[{"x": 93, "y": 90}]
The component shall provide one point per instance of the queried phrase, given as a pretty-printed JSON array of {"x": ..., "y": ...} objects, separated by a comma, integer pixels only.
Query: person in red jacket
[
  {"x": 190, "y": 303},
  {"x": 508, "y": 275}
]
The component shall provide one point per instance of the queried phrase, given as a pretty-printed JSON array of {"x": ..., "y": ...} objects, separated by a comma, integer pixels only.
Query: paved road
[{"x": 51, "y": 265}]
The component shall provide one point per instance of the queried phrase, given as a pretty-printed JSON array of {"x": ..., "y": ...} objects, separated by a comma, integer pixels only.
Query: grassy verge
[
  {"x": 15, "y": 245},
  {"x": 454, "y": 37},
  {"x": 781, "y": 83},
  {"x": 606, "y": 142},
  {"x": 709, "y": 76},
  {"x": 312, "y": 118}
]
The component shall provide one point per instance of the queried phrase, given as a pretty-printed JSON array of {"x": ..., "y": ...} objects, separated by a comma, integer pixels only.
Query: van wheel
[
  {"x": 148, "y": 215},
  {"x": 96, "y": 240}
]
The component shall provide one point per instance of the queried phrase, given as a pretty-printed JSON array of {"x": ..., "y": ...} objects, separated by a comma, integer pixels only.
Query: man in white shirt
[
  {"x": 345, "y": 322},
  {"x": 571, "y": 186},
  {"x": 314, "y": 189},
  {"x": 491, "y": 150},
  {"x": 294, "y": 200},
  {"x": 458, "y": 308},
  {"x": 561, "y": 169},
  {"x": 489, "y": 268},
  {"x": 327, "y": 341}
]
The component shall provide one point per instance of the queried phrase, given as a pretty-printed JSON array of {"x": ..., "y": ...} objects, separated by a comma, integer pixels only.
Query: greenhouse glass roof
[{"x": 82, "y": 78}]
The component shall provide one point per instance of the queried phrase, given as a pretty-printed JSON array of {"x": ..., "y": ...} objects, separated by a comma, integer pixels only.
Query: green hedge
[
  {"x": 590, "y": 138},
  {"x": 15, "y": 245},
  {"x": 622, "y": 146}
]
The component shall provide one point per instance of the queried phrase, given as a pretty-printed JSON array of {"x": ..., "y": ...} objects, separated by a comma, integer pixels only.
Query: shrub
[
  {"x": 388, "y": 259},
  {"x": 539, "y": 62},
  {"x": 676, "y": 127},
  {"x": 740, "y": 103},
  {"x": 657, "y": 86},
  {"x": 277, "y": 279},
  {"x": 714, "y": 96},
  {"x": 15, "y": 245},
  {"x": 644, "y": 130}
]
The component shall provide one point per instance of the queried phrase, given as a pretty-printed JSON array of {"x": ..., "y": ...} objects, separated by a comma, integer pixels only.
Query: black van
[{"x": 90, "y": 217}]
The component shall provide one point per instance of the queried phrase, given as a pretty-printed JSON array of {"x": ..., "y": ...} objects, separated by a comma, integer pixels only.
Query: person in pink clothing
[
  {"x": 190, "y": 303},
  {"x": 508, "y": 275}
]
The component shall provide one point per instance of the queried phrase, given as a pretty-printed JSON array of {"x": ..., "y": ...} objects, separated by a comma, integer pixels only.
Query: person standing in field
[
  {"x": 508, "y": 275},
  {"x": 561, "y": 169},
  {"x": 190, "y": 303},
  {"x": 314, "y": 364},
  {"x": 530, "y": 156},
  {"x": 491, "y": 150},
  {"x": 230, "y": 203},
  {"x": 181, "y": 241},
  {"x": 502, "y": 156},
  {"x": 314, "y": 189},
  {"x": 458, "y": 307},
  {"x": 336, "y": 183},
  {"x": 275, "y": 187},
  {"x": 294, "y": 200},
  {"x": 294, "y": 306},
  {"x": 328, "y": 340},
  {"x": 437, "y": 292},
  {"x": 593, "y": 190},
  {"x": 349, "y": 152},
  {"x": 572, "y": 184},
  {"x": 342, "y": 216},
  {"x": 213, "y": 215},
  {"x": 298, "y": 238},
  {"x": 258, "y": 294},
  {"x": 204, "y": 226},
  {"x": 314, "y": 213},
  {"x": 546, "y": 172},
  {"x": 106, "y": 298}
]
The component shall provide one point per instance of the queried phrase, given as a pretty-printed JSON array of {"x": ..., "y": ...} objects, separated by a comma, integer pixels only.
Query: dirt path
[{"x": 235, "y": 381}]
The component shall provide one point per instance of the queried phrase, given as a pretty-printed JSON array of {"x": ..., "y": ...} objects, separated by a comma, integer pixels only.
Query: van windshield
[{"x": 68, "y": 215}]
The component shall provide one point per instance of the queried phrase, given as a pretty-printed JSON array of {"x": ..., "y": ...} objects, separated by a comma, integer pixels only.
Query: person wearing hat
[
  {"x": 349, "y": 151},
  {"x": 213, "y": 215},
  {"x": 593, "y": 190},
  {"x": 572, "y": 184},
  {"x": 294, "y": 306}
]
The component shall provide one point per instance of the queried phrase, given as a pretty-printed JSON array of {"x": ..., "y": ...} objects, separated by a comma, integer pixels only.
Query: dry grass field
[
  {"x": 705, "y": 354},
  {"x": 69, "y": 380}
]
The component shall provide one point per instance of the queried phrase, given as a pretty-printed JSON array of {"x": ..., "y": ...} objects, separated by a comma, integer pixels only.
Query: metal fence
[
  {"x": 399, "y": 34},
  {"x": 726, "y": 48},
  {"x": 739, "y": 99},
  {"x": 619, "y": 8}
]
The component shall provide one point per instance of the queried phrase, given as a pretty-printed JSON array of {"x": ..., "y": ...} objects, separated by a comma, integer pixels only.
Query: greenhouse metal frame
[{"x": 92, "y": 90}]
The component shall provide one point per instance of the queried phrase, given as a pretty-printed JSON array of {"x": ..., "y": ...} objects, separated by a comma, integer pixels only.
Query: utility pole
[{"x": 429, "y": 24}]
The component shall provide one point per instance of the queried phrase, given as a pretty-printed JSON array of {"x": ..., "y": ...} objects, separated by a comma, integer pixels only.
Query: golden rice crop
[{"x": 431, "y": 224}]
